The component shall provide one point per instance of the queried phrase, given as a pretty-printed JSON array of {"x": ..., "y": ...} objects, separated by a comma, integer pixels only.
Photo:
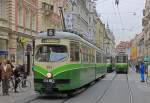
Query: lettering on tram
[{"x": 50, "y": 40}]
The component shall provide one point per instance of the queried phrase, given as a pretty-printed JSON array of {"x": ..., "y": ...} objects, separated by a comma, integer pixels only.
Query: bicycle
[
  {"x": 11, "y": 84},
  {"x": 23, "y": 84}
]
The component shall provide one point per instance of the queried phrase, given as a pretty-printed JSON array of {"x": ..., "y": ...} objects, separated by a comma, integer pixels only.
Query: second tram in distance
[{"x": 121, "y": 63}]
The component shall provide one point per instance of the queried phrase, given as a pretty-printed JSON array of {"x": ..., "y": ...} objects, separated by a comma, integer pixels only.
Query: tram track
[
  {"x": 39, "y": 99},
  {"x": 130, "y": 91},
  {"x": 106, "y": 90},
  {"x": 47, "y": 98}
]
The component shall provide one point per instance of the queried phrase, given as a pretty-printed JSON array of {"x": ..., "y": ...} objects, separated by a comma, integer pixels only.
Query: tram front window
[
  {"x": 51, "y": 53},
  {"x": 121, "y": 59}
]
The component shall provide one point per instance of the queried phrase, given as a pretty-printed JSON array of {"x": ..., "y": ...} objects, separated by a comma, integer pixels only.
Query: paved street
[{"x": 112, "y": 89}]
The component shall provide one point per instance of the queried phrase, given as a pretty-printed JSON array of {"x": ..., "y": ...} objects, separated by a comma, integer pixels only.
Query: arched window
[
  {"x": 27, "y": 17},
  {"x": 33, "y": 20}
]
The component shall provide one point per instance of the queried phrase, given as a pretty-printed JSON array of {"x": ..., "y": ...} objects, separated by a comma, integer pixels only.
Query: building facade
[
  {"x": 19, "y": 23},
  {"x": 18, "y": 27},
  {"x": 50, "y": 16},
  {"x": 146, "y": 25},
  {"x": 137, "y": 48},
  {"x": 109, "y": 42},
  {"x": 80, "y": 16}
]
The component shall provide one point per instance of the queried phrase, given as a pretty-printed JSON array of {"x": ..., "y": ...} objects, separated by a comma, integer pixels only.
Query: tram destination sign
[
  {"x": 50, "y": 32},
  {"x": 47, "y": 40}
]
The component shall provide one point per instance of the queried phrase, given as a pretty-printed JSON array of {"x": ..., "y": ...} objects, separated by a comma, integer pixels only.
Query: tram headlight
[{"x": 49, "y": 75}]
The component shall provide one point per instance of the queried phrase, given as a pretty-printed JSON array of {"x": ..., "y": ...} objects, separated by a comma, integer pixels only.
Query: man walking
[{"x": 6, "y": 72}]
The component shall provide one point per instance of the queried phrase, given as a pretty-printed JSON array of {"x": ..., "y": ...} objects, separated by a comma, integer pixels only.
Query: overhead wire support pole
[{"x": 63, "y": 19}]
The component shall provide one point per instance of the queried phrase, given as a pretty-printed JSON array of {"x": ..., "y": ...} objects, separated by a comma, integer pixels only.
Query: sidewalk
[
  {"x": 13, "y": 97},
  {"x": 141, "y": 91},
  {"x": 135, "y": 77}
]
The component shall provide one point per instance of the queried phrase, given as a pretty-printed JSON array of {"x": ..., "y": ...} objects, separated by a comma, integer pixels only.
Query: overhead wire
[{"x": 100, "y": 2}]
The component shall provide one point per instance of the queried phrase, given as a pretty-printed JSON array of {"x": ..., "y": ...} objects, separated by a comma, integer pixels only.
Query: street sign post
[{"x": 29, "y": 48}]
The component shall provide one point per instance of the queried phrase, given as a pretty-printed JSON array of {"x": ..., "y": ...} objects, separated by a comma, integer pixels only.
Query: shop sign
[
  {"x": 3, "y": 52},
  {"x": 22, "y": 40},
  {"x": 69, "y": 21}
]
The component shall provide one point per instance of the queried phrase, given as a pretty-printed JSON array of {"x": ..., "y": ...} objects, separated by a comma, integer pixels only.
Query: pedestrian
[
  {"x": 6, "y": 72},
  {"x": 142, "y": 71},
  {"x": 23, "y": 73},
  {"x": 16, "y": 74},
  {"x": 8, "y": 62},
  {"x": 137, "y": 67}
]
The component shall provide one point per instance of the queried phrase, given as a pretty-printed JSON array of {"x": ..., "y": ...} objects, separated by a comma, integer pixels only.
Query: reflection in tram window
[{"x": 51, "y": 53}]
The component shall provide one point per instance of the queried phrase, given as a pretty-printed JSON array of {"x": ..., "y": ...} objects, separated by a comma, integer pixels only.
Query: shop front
[{"x": 3, "y": 49}]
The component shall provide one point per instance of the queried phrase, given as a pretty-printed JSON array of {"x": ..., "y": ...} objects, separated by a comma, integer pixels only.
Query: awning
[
  {"x": 147, "y": 59},
  {"x": 3, "y": 52}
]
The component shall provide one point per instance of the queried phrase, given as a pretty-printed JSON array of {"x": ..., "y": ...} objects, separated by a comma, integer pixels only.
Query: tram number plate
[{"x": 48, "y": 81}]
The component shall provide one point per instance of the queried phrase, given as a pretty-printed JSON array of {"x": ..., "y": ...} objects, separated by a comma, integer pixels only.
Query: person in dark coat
[
  {"x": 6, "y": 72},
  {"x": 16, "y": 74},
  {"x": 142, "y": 71},
  {"x": 137, "y": 68},
  {"x": 8, "y": 62}
]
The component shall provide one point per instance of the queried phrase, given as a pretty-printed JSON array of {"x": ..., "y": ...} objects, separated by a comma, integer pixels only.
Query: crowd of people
[{"x": 7, "y": 70}]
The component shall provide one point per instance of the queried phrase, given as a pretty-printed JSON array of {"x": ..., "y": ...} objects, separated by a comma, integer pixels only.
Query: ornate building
[
  {"x": 146, "y": 25},
  {"x": 80, "y": 16},
  {"x": 18, "y": 25}
]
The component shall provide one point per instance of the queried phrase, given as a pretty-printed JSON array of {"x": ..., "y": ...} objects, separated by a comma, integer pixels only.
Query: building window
[
  {"x": 27, "y": 17},
  {"x": 33, "y": 21},
  {"x": 20, "y": 15},
  {"x": 89, "y": 20},
  {"x": 2, "y": 8}
]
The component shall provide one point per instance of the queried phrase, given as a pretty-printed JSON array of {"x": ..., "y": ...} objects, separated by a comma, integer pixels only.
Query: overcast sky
[{"x": 126, "y": 25}]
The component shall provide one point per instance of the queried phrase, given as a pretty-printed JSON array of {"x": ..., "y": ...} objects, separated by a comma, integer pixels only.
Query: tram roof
[{"x": 66, "y": 35}]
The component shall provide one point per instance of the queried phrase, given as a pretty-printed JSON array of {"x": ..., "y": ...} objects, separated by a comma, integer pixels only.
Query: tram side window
[
  {"x": 74, "y": 51},
  {"x": 124, "y": 59},
  {"x": 98, "y": 57}
]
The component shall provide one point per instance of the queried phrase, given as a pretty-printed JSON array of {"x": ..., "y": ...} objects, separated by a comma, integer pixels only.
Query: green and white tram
[
  {"x": 121, "y": 64},
  {"x": 65, "y": 62}
]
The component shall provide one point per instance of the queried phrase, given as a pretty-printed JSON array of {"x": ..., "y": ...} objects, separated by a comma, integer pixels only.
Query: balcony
[
  {"x": 147, "y": 42},
  {"x": 47, "y": 7}
]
